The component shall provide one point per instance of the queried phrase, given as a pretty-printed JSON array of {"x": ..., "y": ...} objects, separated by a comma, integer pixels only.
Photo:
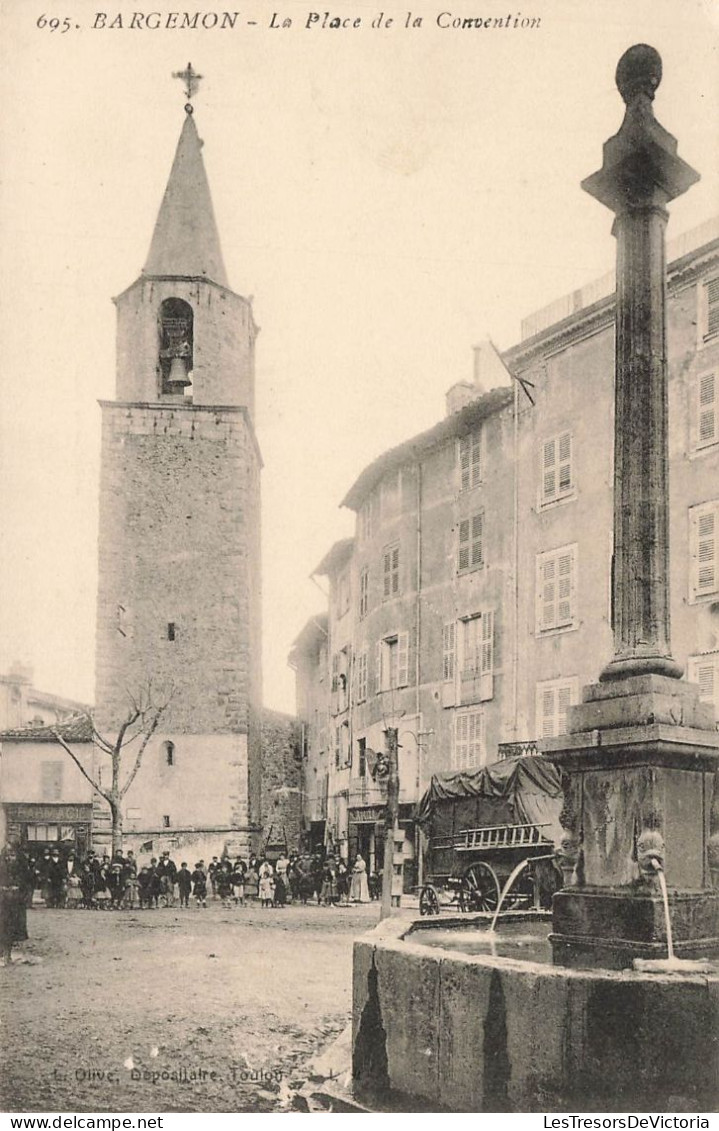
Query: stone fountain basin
[{"x": 476, "y": 1032}]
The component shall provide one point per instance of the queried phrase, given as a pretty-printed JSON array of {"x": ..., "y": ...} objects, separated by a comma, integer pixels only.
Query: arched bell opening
[{"x": 176, "y": 346}]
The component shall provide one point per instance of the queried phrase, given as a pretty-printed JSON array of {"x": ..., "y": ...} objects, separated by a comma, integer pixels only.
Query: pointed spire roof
[{"x": 185, "y": 240}]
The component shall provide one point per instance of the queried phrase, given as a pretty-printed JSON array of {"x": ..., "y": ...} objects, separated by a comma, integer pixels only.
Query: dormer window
[{"x": 176, "y": 346}]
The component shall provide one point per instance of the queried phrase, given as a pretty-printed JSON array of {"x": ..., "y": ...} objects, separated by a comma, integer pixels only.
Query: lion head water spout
[{"x": 671, "y": 963}]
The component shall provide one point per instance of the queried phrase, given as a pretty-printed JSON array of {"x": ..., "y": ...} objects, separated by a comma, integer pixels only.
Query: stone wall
[
  {"x": 478, "y": 1034},
  {"x": 179, "y": 545}
]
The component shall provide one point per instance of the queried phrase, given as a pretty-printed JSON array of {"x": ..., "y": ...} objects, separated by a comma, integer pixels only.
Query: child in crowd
[
  {"x": 184, "y": 884},
  {"x": 199, "y": 884},
  {"x": 238, "y": 881},
  {"x": 144, "y": 885},
  {"x": 267, "y": 886},
  {"x": 223, "y": 883},
  {"x": 131, "y": 896},
  {"x": 74, "y": 896}
]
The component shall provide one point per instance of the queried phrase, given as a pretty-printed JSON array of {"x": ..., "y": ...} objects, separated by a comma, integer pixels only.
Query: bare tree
[{"x": 140, "y": 723}]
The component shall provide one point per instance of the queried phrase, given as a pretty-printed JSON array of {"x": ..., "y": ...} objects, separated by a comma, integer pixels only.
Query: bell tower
[{"x": 179, "y": 541}]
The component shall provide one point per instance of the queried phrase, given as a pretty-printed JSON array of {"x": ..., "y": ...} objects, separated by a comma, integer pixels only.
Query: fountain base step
[
  {"x": 609, "y": 930},
  {"x": 673, "y": 966}
]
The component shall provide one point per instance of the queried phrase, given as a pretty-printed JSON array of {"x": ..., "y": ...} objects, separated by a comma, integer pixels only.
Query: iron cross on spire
[{"x": 192, "y": 82}]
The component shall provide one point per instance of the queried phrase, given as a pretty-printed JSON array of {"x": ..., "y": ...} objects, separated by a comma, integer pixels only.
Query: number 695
[{"x": 54, "y": 23}]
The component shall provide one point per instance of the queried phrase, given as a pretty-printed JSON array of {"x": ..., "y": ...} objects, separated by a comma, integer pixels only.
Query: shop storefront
[
  {"x": 40, "y": 826},
  {"x": 366, "y": 827}
]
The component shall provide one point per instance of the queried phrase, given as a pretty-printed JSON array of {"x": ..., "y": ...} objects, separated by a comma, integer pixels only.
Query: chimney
[
  {"x": 461, "y": 394},
  {"x": 489, "y": 369}
]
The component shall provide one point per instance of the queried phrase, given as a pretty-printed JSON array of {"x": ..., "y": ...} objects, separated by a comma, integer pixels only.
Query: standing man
[
  {"x": 212, "y": 871},
  {"x": 56, "y": 879},
  {"x": 167, "y": 872}
]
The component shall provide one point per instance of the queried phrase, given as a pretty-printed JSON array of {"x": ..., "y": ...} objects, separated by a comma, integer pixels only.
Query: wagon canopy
[{"x": 523, "y": 791}]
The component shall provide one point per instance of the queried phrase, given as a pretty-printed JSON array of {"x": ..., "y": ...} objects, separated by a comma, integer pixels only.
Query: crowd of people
[{"x": 97, "y": 881}]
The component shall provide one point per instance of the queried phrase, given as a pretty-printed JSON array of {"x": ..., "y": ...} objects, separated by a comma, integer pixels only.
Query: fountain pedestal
[
  {"x": 639, "y": 761},
  {"x": 641, "y": 751}
]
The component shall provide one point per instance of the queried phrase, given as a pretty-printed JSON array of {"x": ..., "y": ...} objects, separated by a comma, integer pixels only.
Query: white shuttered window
[
  {"x": 469, "y": 742},
  {"x": 704, "y": 670},
  {"x": 556, "y": 588},
  {"x": 470, "y": 459},
  {"x": 390, "y": 572},
  {"x": 448, "y": 646},
  {"x": 557, "y": 478},
  {"x": 471, "y": 543},
  {"x": 709, "y": 315},
  {"x": 704, "y": 549},
  {"x": 707, "y": 410},
  {"x": 554, "y": 697},
  {"x": 361, "y": 677},
  {"x": 393, "y": 662}
]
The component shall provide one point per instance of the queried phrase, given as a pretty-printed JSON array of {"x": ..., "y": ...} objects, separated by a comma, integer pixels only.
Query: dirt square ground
[{"x": 136, "y": 1010}]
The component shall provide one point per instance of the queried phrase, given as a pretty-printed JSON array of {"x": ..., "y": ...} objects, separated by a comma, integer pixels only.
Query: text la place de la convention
[{"x": 229, "y": 21}]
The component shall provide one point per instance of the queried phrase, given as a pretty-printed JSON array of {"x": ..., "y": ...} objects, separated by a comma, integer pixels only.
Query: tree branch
[
  {"x": 146, "y": 738},
  {"x": 81, "y": 768},
  {"x": 119, "y": 741}
]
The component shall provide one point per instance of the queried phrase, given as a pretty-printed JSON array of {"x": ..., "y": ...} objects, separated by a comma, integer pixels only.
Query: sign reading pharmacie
[{"x": 56, "y": 814}]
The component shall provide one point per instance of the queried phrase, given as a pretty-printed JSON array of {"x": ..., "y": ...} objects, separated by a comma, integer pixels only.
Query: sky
[{"x": 388, "y": 195}]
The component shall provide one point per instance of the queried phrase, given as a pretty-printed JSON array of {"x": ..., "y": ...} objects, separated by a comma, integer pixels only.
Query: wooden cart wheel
[
  {"x": 428, "y": 901},
  {"x": 480, "y": 888},
  {"x": 521, "y": 893}
]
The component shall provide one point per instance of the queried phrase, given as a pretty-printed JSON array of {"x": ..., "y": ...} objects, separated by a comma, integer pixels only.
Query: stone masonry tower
[{"x": 179, "y": 544}]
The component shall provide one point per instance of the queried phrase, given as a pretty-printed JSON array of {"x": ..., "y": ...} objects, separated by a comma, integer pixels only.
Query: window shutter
[
  {"x": 546, "y": 712},
  {"x": 704, "y": 546},
  {"x": 395, "y": 570},
  {"x": 387, "y": 573},
  {"x": 470, "y": 459},
  {"x": 707, "y": 428},
  {"x": 565, "y": 463},
  {"x": 476, "y": 458},
  {"x": 547, "y": 591},
  {"x": 565, "y": 589},
  {"x": 549, "y": 475},
  {"x": 564, "y": 701},
  {"x": 464, "y": 462},
  {"x": 477, "y": 538},
  {"x": 51, "y": 780},
  {"x": 403, "y": 659},
  {"x": 361, "y": 677},
  {"x": 486, "y": 687},
  {"x": 449, "y": 663},
  {"x": 464, "y": 544},
  {"x": 556, "y": 467},
  {"x": 378, "y": 666},
  {"x": 460, "y": 741},
  {"x": 712, "y": 292},
  {"x": 448, "y": 650},
  {"x": 705, "y": 674}
]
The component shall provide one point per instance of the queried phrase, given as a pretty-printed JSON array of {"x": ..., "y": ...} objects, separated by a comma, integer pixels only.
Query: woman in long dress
[{"x": 359, "y": 891}]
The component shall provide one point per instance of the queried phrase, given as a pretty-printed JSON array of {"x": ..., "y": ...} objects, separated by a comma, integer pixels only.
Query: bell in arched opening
[{"x": 176, "y": 345}]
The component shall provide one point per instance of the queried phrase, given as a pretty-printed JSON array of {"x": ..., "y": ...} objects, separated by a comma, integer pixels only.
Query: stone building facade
[
  {"x": 178, "y": 609},
  {"x": 46, "y": 800},
  {"x": 22, "y": 704},
  {"x": 474, "y": 601}
]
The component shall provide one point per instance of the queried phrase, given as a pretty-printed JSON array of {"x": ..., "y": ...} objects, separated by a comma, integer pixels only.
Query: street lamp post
[{"x": 390, "y": 821}]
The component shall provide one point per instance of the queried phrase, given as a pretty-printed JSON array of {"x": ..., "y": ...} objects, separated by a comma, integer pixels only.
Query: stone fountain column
[{"x": 641, "y": 750}]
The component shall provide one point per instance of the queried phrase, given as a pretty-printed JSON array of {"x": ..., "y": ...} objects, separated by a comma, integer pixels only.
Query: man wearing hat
[{"x": 56, "y": 878}]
